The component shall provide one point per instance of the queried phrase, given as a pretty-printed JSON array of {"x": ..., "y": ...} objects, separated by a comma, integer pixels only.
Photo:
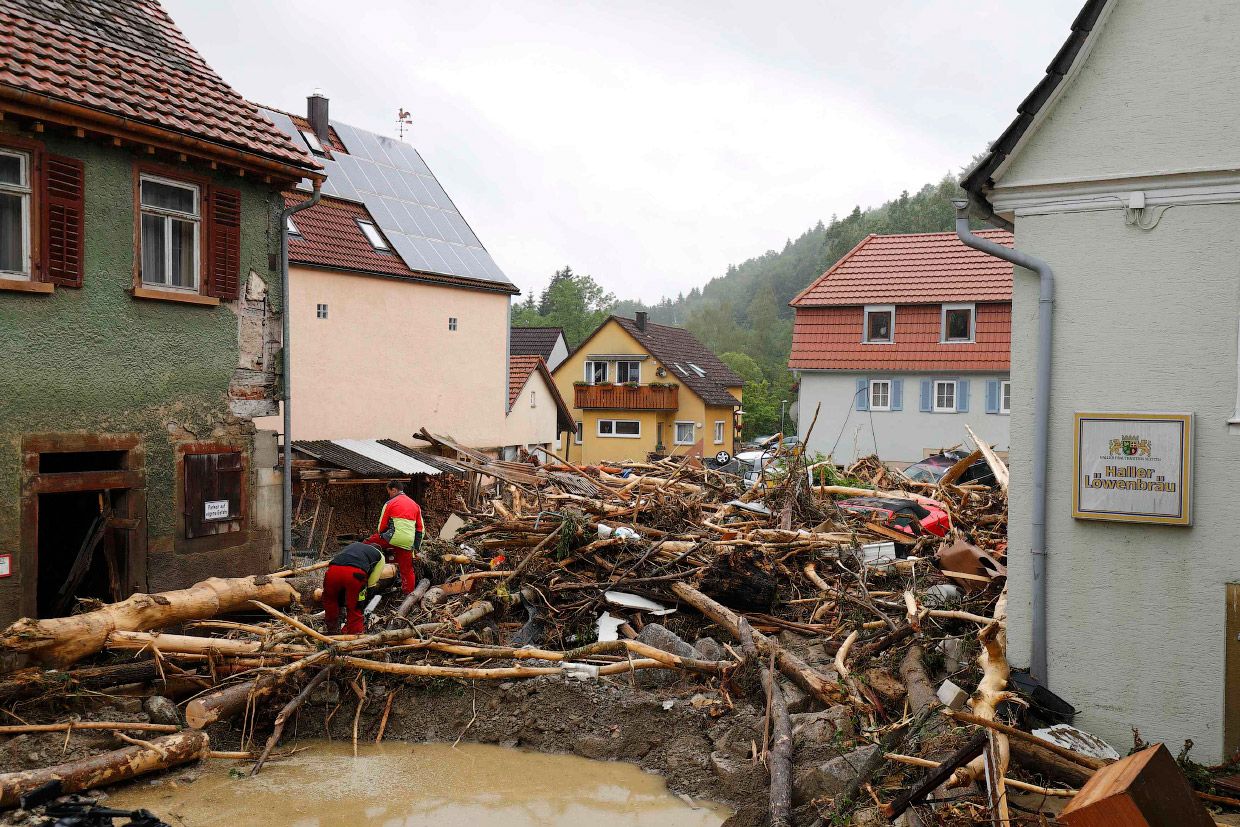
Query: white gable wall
[
  {"x": 1156, "y": 94},
  {"x": 1145, "y": 321}
]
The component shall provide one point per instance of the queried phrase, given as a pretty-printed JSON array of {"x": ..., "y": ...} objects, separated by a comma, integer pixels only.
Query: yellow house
[{"x": 636, "y": 387}]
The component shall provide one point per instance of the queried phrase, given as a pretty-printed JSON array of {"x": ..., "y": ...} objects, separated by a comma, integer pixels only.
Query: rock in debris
[
  {"x": 162, "y": 710},
  {"x": 829, "y": 778},
  {"x": 709, "y": 649},
  {"x": 822, "y": 727},
  {"x": 653, "y": 634},
  {"x": 325, "y": 694}
]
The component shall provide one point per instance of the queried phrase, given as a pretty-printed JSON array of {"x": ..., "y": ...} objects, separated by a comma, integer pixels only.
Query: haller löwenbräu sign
[{"x": 1133, "y": 467}]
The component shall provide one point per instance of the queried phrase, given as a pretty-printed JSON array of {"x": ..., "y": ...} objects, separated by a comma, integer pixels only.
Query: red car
[{"x": 910, "y": 516}]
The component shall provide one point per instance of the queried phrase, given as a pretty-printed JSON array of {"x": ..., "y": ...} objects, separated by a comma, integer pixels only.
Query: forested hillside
[{"x": 744, "y": 315}]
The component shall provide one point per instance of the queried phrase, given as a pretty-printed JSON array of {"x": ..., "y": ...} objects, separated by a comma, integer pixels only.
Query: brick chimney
[
  {"x": 641, "y": 320},
  {"x": 316, "y": 113}
]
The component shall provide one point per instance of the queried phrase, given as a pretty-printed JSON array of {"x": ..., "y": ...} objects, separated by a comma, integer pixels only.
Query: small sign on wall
[
  {"x": 1133, "y": 467},
  {"x": 6, "y": 565},
  {"x": 215, "y": 510}
]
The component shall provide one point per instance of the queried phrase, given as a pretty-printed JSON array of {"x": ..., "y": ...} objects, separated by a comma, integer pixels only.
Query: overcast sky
[{"x": 649, "y": 144}]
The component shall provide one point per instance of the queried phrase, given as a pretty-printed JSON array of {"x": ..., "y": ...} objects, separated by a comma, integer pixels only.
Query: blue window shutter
[
  {"x": 927, "y": 389},
  {"x": 992, "y": 396},
  {"x": 863, "y": 394},
  {"x": 897, "y": 394},
  {"x": 962, "y": 395}
]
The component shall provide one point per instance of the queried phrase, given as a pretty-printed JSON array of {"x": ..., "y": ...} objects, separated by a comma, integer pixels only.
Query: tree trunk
[
  {"x": 801, "y": 673},
  {"x": 34, "y": 682},
  {"x": 60, "y": 641},
  {"x": 109, "y": 767},
  {"x": 227, "y": 702},
  {"x": 781, "y": 753},
  {"x": 1041, "y": 760}
]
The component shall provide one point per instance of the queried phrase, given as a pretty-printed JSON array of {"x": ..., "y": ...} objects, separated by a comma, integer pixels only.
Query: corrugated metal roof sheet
[{"x": 377, "y": 451}]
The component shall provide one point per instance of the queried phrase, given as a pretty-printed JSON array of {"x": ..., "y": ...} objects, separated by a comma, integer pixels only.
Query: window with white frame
[
  {"x": 684, "y": 433},
  {"x": 171, "y": 227},
  {"x": 627, "y": 428},
  {"x": 559, "y": 442},
  {"x": 596, "y": 372},
  {"x": 452, "y": 323},
  {"x": 312, "y": 141},
  {"x": 321, "y": 311},
  {"x": 1005, "y": 397},
  {"x": 577, "y": 432},
  {"x": 957, "y": 323},
  {"x": 373, "y": 235},
  {"x": 719, "y": 425},
  {"x": 944, "y": 396},
  {"x": 880, "y": 322},
  {"x": 14, "y": 213},
  {"x": 880, "y": 394},
  {"x": 628, "y": 371}
]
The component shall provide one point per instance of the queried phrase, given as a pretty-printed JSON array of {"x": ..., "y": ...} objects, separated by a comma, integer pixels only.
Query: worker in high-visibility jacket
[
  {"x": 349, "y": 575},
  {"x": 400, "y": 530}
]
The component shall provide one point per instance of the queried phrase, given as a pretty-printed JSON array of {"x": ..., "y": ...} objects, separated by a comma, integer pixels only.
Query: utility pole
[{"x": 782, "y": 404}]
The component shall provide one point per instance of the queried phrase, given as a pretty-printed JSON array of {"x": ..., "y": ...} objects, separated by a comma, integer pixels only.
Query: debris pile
[{"x": 828, "y": 626}]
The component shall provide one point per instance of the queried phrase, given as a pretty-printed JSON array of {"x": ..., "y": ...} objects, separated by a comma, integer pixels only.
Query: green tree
[
  {"x": 576, "y": 303},
  {"x": 743, "y": 365}
]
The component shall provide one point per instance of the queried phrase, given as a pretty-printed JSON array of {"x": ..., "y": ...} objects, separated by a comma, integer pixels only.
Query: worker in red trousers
[
  {"x": 400, "y": 531},
  {"x": 349, "y": 575}
]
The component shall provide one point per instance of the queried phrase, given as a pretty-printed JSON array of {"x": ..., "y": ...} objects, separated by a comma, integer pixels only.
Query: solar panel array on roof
[{"x": 397, "y": 187}]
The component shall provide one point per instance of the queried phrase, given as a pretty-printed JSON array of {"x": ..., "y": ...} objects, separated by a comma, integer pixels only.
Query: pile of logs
[{"x": 528, "y": 577}]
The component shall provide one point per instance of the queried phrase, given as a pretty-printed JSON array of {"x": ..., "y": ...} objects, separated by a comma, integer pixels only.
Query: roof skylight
[
  {"x": 312, "y": 141},
  {"x": 373, "y": 235}
]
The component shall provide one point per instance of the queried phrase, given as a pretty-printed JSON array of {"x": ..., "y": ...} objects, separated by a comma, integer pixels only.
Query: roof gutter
[
  {"x": 1041, "y": 416},
  {"x": 39, "y": 105},
  {"x": 286, "y": 368}
]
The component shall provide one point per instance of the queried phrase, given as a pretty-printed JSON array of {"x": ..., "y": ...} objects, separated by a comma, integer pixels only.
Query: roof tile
[
  {"x": 128, "y": 58},
  {"x": 914, "y": 268},
  {"x": 676, "y": 346},
  {"x": 539, "y": 341}
]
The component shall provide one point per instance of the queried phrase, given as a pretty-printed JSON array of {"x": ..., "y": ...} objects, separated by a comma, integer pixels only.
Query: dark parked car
[{"x": 932, "y": 469}]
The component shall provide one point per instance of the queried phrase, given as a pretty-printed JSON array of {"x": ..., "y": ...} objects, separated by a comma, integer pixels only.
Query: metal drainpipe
[
  {"x": 286, "y": 367},
  {"x": 1041, "y": 424}
]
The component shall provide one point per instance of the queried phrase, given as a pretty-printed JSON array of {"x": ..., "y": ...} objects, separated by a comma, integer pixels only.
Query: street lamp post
[{"x": 782, "y": 404}]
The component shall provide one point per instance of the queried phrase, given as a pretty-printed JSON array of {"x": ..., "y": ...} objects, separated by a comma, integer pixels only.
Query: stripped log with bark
[
  {"x": 59, "y": 641},
  {"x": 108, "y": 767},
  {"x": 781, "y": 752}
]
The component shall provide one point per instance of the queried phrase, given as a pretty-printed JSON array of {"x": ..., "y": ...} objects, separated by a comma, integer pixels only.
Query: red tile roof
[
  {"x": 678, "y": 349},
  {"x": 520, "y": 369},
  {"x": 829, "y": 338},
  {"x": 127, "y": 58},
  {"x": 328, "y": 236},
  {"x": 333, "y": 143},
  {"x": 911, "y": 269}
]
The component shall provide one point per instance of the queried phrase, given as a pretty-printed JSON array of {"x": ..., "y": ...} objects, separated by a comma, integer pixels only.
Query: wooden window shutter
[
  {"x": 64, "y": 208},
  {"x": 212, "y": 478},
  {"x": 224, "y": 252}
]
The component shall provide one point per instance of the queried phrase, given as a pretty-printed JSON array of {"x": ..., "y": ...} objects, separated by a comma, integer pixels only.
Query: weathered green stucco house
[{"x": 139, "y": 309}]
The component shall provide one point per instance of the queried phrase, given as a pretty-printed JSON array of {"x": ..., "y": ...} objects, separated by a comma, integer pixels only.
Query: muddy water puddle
[{"x": 409, "y": 785}]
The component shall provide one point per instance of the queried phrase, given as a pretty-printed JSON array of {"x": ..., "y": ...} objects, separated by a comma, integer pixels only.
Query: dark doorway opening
[{"x": 80, "y": 555}]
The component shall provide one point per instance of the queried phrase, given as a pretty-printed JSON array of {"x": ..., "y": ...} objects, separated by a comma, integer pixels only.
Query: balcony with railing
[{"x": 626, "y": 398}]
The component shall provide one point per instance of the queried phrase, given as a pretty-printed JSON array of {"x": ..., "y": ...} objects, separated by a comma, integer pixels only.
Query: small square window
[
  {"x": 373, "y": 235},
  {"x": 312, "y": 141},
  {"x": 880, "y": 395},
  {"x": 452, "y": 323},
  {"x": 879, "y": 322},
  {"x": 944, "y": 397},
  {"x": 957, "y": 323},
  {"x": 1005, "y": 397},
  {"x": 321, "y": 311}
]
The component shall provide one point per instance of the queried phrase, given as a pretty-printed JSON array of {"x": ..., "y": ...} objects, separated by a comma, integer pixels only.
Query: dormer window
[
  {"x": 880, "y": 322},
  {"x": 958, "y": 322},
  {"x": 312, "y": 141},
  {"x": 373, "y": 235}
]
